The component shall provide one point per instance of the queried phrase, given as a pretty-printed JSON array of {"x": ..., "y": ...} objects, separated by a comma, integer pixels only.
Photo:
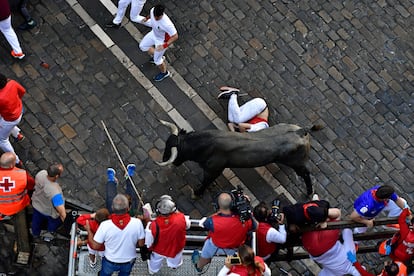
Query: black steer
[{"x": 215, "y": 150}]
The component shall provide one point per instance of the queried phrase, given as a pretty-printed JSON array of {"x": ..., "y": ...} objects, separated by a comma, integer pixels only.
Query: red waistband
[{"x": 256, "y": 120}]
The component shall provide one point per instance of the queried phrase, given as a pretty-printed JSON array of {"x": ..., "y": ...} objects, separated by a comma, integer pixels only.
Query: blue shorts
[{"x": 210, "y": 249}]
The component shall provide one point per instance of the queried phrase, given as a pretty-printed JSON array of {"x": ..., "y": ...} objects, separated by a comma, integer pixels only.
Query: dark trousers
[
  {"x": 111, "y": 192},
  {"x": 37, "y": 220}
]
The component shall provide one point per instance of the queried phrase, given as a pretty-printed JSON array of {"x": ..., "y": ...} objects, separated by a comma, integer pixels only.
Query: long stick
[{"x": 120, "y": 161}]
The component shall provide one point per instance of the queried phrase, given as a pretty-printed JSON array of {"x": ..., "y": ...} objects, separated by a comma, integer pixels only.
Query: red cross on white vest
[{"x": 7, "y": 184}]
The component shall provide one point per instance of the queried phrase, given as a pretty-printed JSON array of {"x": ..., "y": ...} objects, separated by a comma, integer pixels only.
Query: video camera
[
  {"x": 241, "y": 205},
  {"x": 275, "y": 214}
]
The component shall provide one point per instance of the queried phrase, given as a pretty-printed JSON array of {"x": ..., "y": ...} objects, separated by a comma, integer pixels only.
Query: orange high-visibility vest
[
  {"x": 13, "y": 191},
  {"x": 402, "y": 270}
]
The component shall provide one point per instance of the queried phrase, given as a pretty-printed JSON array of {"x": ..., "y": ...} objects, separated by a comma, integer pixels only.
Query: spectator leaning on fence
[
  {"x": 401, "y": 246},
  {"x": 165, "y": 235},
  {"x": 268, "y": 236},
  {"x": 121, "y": 235},
  {"x": 370, "y": 203},
  {"x": 315, "y": 212},
  {"x": 226, "y": 232},
  {"x": 325, "y": 248}
]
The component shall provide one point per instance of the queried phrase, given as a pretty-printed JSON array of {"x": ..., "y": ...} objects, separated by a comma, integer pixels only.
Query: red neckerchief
[
  {"x": 121, "y": 221},
  {"x": 378, "y": 199},
  {"x": 305, "y": 209}
]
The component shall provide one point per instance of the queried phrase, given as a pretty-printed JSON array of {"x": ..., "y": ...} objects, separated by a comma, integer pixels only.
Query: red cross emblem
[{"x": 7, "y": 184}]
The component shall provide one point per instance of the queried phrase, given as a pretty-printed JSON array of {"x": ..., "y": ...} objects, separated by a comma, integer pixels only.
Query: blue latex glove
[
  {"x": 387, "y": 249},
  {"x": 351, "y": 256}
]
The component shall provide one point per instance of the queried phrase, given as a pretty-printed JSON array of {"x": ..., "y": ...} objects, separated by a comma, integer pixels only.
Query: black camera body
[
  {"x": 275, "y": 214},
  {"x": 241, "y": 205}
]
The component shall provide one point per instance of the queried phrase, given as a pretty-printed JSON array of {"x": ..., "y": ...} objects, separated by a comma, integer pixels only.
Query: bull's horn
[
  {"x": 174, "y": 153},
  {"x": 174, "y": 129}
]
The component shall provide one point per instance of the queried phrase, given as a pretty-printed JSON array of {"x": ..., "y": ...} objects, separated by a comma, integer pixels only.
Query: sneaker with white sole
[
  {"x": 110, "y": 172},
  {"x": 113, "y": 25},
  {"x": 20, "y": 55},
  {"x": 225, "y": 95},
  {"x": 131, "y": 169},
  {"x": 162, "y": 76},
  {"x": 49, "y": 236}
]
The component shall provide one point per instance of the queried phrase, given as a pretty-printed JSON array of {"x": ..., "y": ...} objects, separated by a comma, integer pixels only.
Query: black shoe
[
  {"x": 113, "y": 25},
  {"x": 226, "y": 94},
  {"x": 152, "y": 60},
  {"x": 27, "y": 25}
]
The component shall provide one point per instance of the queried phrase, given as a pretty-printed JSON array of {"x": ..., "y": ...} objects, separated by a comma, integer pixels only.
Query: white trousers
[
  {"x": 10, "y": 35},
  {"x": 6, "y": 129},
  {"x": 136, "y": 8},
  {"x": 155, "y": 263},
  {"x": 241, "y": 114},
  {"x": 149, "y": 41},
  {"x": 335, "y": 261}
]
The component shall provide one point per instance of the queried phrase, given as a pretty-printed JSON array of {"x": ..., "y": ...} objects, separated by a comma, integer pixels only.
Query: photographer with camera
[
  {"x": 165, "y": 235},
  {"x": 227, "y": 228},
  {"x": 245, "y": 263},
  {"x": 270, "y": 231}
]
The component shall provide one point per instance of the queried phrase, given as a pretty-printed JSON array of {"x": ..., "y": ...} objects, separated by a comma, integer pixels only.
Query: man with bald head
[
  {"x": 15, "y": 185},
  {"x": 121, "y": 236},
  {"x": 226, "y": 232}
]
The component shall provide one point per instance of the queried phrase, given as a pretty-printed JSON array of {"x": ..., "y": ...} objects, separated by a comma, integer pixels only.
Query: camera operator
[
  {"x": 270, "y": 231},
  {"x": 226, "y": 233}
]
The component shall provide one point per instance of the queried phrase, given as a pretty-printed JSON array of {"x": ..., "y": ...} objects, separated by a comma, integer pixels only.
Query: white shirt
[
  {"x": 162, "y": 26},
  {"x": 258, "y": 126},
  {"x": 120, "y": 245},
  {"x": 276, "y": 236}
]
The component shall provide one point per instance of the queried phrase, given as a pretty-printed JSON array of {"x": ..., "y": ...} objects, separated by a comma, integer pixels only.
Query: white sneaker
[
  {"x": 48, "y": 237},
  {"x": 315, "y": 197}
]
